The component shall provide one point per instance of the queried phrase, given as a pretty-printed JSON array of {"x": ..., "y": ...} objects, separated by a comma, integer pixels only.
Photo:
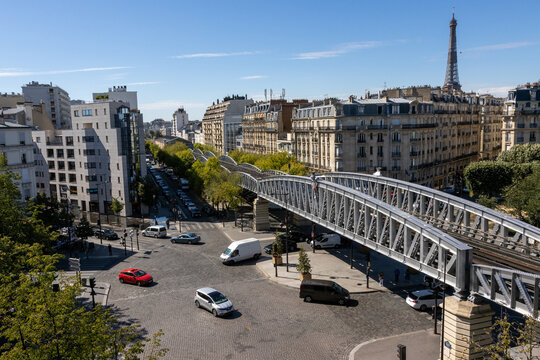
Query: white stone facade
[
  {"x": 179, "y": 121},
  {"x": 56, "y": 102}
]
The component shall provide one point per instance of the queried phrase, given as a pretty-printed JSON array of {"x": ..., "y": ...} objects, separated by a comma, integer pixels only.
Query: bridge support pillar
[
  {"x": 299, "y": 221},
  {"x": 261, "y": 219},
  {"x": 465, "y": 323}
]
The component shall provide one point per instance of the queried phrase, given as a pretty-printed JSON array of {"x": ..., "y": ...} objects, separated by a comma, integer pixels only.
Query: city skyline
[{"x": 181, "y": 57}]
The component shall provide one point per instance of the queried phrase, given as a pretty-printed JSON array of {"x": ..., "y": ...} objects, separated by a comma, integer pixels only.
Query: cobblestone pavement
[{"x": 271, "y": 321}]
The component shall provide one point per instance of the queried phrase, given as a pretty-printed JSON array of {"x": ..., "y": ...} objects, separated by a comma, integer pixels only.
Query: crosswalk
[{"x": 187, "y": 226}]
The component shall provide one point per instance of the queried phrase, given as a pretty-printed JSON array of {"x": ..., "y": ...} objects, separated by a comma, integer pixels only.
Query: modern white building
[
  {"x": 16, "y": 146},
  {"x": 56, "y": 102},
  {"x": 180, "y": 119},
  {"x": 98, "y": 160},
  {"x": 118, "y": 93}
]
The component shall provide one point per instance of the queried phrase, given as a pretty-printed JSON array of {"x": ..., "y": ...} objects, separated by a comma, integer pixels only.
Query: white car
[
  {"x": 423, "y": 299},
  {"x": 213, "y": 301}
]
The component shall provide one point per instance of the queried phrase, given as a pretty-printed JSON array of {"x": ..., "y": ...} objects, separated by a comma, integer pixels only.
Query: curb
[{"x": 361, "y": 345}]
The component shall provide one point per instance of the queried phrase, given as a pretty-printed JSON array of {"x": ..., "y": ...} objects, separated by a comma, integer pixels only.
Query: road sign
[
  {"x": 131, "y": 233},
  {"x": 74, "y": 264},
  {"x": 276, "y": 255}
]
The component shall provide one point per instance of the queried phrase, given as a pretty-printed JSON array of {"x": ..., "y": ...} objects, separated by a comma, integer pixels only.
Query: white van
[
  {"x": 241, "y": 250},
  {"x": 155, "y": 231},
  {"x": 326, "y": 241}
]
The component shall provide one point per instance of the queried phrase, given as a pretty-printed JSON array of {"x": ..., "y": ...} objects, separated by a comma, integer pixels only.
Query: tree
[
  {"x": 116, "y": 206},
  {"x": 304, "y": 266},
  {"x": 277, "y": 246},
  {"x": 146, "y": 190},
  {"x": 487, "y": 201},
  {"x": 83, "y": 230},
  {"x": 488, "y": 177},
  {"x": 38, "y": 322},
  {"x": 511, "y": 338},
  {"x": 523, "y": 197},
  {"x": 520, "y": 154},
  {"x": 52, "y": 212}
]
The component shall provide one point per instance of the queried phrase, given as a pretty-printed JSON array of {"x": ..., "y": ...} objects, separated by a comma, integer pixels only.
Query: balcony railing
[{"x": 396, "y": 154}]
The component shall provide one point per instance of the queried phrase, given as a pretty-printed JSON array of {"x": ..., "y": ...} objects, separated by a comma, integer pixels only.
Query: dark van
[{"x": 323, "y": 290}]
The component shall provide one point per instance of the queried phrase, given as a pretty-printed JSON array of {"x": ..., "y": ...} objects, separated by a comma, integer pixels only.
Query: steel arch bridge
[{"x": 397, "y": 219}]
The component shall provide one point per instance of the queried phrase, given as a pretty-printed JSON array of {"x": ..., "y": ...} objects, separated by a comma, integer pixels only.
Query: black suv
[
  {"x": 107, "y": 234},
  {"x": 292, "y": 246}
]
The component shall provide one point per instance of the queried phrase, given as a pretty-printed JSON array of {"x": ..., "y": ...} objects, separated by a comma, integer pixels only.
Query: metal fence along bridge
[{"x": 485, "y": 253}]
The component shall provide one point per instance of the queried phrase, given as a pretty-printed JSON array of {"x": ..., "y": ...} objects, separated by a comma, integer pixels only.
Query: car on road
[
  {"x": 213, "y": 301},
  {"x": 106, "y": 234},
  {"x": 135, "y": 276},
  {"x": 423, "y": 299},
  {"x": 186, "y": 238},
  {"x": 155, "y": 231},
  {"x": 326, "y": 241},
  {"x": 323, "y": 290},
  {"x": 195, "y": 212},
  {"x": 292, "y": 245}
]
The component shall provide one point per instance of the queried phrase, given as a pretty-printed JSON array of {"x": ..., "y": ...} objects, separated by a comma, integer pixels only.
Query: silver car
[
  {"x": 186, "y": 238},
  {"x": 213, "y": 301}
]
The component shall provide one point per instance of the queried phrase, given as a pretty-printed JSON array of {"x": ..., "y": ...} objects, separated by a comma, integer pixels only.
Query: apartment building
[
  {"x": 56, "y": 102},
  {"x": 10, "y": 100},
  {"x": 16, "y": 146},
  {"x": 427, "y": 141},
  {"x": 265, "y": 123},
  {"x": 222, "y": 122},
  {"x": 180, "y": 119},
  {"x": 96, "y": 161},
  {"x": 118, "y": 93},
  {"x": 521, "y": 116}
]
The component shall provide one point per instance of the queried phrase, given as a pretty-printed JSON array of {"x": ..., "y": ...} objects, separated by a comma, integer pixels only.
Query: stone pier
[
  {"x": 465, "y": 324},
  {"x": 261, "y": 218}
]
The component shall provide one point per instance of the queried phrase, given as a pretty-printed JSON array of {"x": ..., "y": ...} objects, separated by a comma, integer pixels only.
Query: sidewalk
[{"x": 421, "y": 344}]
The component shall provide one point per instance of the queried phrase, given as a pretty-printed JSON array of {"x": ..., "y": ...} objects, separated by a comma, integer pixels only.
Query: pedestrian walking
[
  {"x": 110, "y": 250},
  {"x": 396, "y": 275},
  {"x": 168, "y": 224},
  {"x": 381, "y": 279},
  {"x": 155, "y": 221}
]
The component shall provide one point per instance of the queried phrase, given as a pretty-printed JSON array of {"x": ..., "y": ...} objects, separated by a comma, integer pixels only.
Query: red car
[{"x": 135, "y": 276}]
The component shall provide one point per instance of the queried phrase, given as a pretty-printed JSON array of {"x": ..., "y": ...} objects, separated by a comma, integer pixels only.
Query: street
[{"x": 270, "y": 322}]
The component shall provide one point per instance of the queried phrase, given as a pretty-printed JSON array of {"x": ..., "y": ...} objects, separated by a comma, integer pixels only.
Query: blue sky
[{"x": 191, "y": 53}]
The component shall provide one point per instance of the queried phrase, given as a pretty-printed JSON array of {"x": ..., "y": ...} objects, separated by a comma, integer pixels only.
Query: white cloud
[
  {"x": 340, "y": 50},
  {"x": 170, "y": 105},
  {"x": 253, "y": 77},
  {"x": 143, "y": 83},
  {"x": 55, "y": 72},
  {"x": 504, "y": 46},
  {"x": 213, "y": 55}
]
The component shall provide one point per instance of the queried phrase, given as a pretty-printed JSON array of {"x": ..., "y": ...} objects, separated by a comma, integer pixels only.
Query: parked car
[
  {"x": 213, "y": 301},
  {"x": 292, "y": 245},
  {"x": 194, "y": 211},
  {"x": 326, "y": 241},
  {"x": 106, "y": 234},
  {"x": 423, "y": 299},
  {"x": 155, "y": 231},
  {"x": 241, "y": 250},
  {"x": 323, "y": 290},
  {"x": 297, "y": 236},
  {"x": 135, "y": 276},
  {"x": 186, "y": 238}
]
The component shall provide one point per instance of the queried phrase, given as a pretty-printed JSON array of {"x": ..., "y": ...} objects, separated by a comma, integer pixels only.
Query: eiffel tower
[{"x": 452, "y": 79}]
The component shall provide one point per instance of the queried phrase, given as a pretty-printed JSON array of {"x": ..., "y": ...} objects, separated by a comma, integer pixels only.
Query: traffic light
[
  {"x": 92, "y": 282},
  {"x": 402, "y": 352}
]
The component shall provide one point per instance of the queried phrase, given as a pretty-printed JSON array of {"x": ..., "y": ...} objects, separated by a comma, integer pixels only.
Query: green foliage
[
  {"x": 523, "y": 197},
  {"x": 116, "y": 206},
  {"x": 51, "y": 212},
  {"x": 277, "y": 246},
  {"x": 511, "y": 338},
  {"x": 37, "y": 322},
  {"x": 488, "y": 177},
  {"x": 487, "y": 201},
  {"x": 146, "y": 190},
  {"x": 278, "y": 161},
  {"x": 83, "y": 230},
  {"x": 520, "y": 154},
  {"x": 304, "y": 266},
  {"x": 205, "y": 148}
]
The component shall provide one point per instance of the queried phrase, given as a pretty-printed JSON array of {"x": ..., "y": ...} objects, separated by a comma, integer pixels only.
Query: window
[
  {"x": 62, "y": 177},
  {"x": 88, "y": 139},
  {"x": 61, "y": 165},
  {"x": 73, "y": 190},
  {"x": 70, "y": 153},
  {"x": 119, "y": 179},
  {"x": 97, "y": 125},
  {"x": 60, "y": 153},
  {"x": 72, "y": 178},
  {"x": 52, "y": 176},
  {"x": 76, "y": 113},
  {"x": 71, "y": 165},
  {"x": 106, "y": 139},
  {"x": 89, "y": 165},
  {"x": 38, "y": 139},
  {"x": 51, "y": 164},
  {"x": 50, "y": 153},
  {"x": 87, "y": 112},
  {"x": 91, "y": 177},
  {"x": 106, "y": 126},
  {"x": 105, "y": 113},
  {"x": 69, "y": 141},
  {"x": 90, "y": 152},
  {"x": 117, "y": 166}
]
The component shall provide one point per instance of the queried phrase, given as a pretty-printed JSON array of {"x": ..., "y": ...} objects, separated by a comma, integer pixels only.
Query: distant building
[
  {"x": 264, "y": 123},
  {"x": 521, "y": 116},
  {"x": 97, "y": 160},
  {"x": 179, "y": 121},
  {"x": 118, "y": 93},
  {"x": 56, "y": 100},
  {"x": 192, "y": 132},
  {"x": 10, "y": 100},
  {"x": 16, "y": 145},
  {"x": 222, "y": 122}
]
